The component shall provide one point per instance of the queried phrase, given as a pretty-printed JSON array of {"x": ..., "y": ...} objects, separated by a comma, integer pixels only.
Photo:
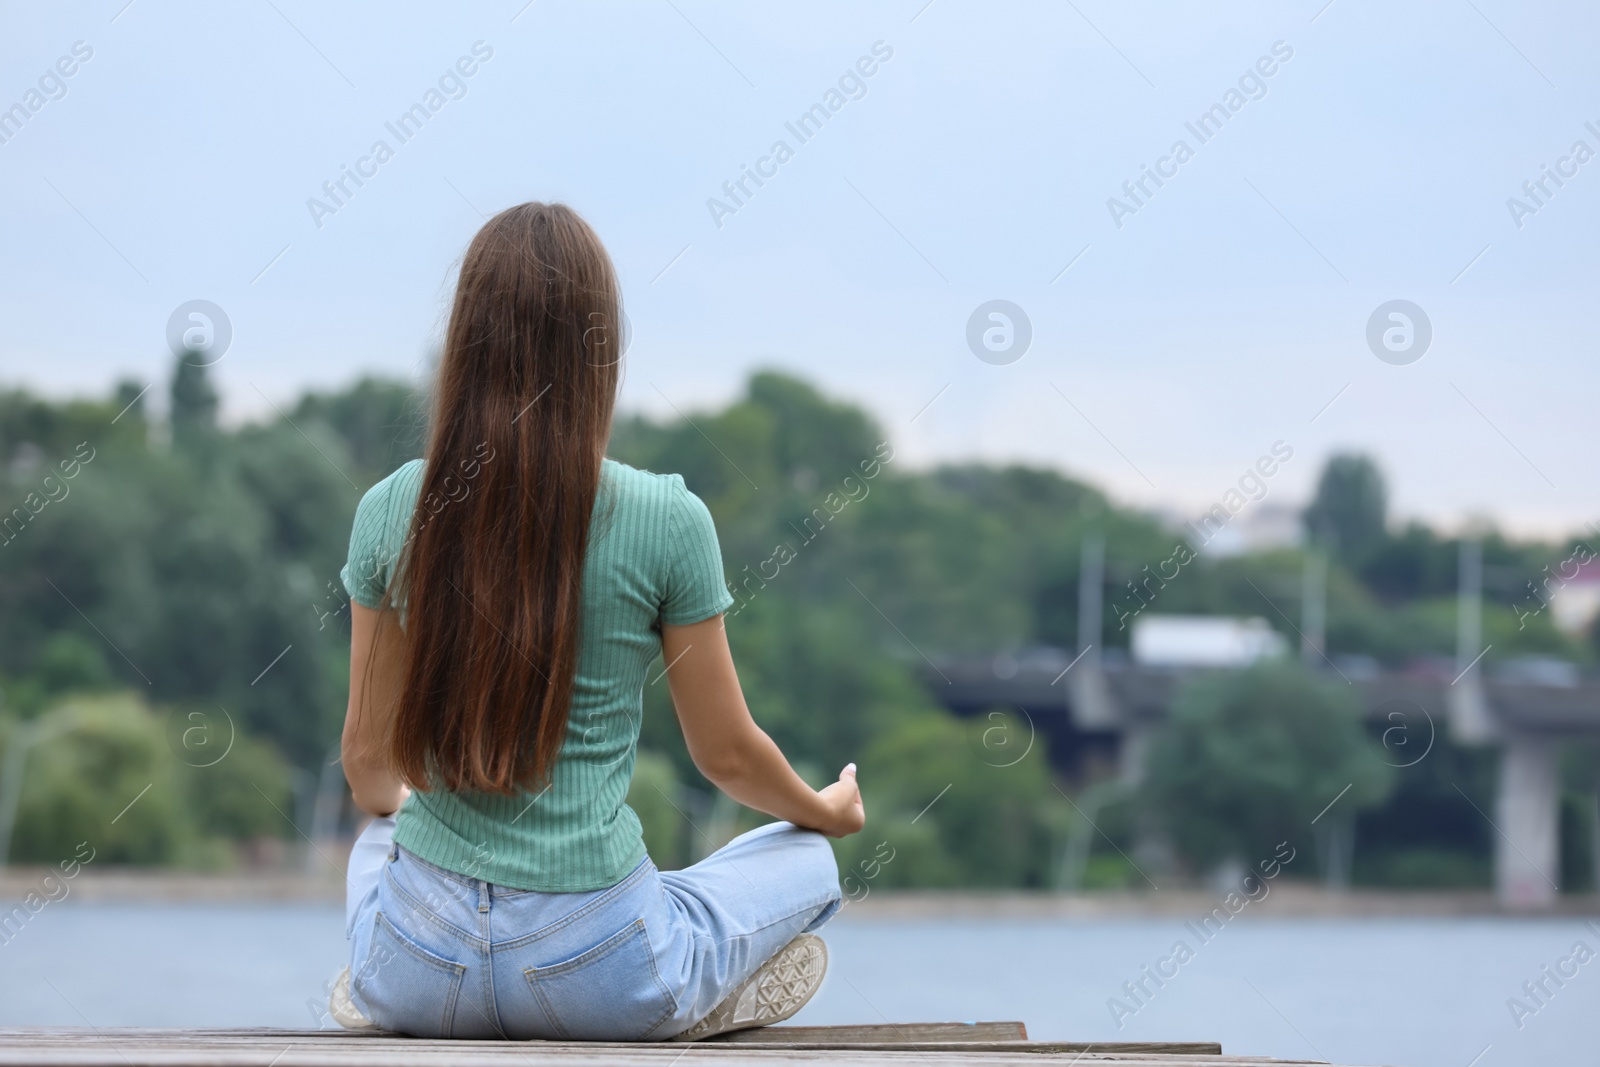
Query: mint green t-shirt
[{"x": 652, "y": 558}]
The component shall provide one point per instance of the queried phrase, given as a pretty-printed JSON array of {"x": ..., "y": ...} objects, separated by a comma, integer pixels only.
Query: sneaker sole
[
  {"x": 779, "y": 988},
  {"x": 343, "y": 1011}
]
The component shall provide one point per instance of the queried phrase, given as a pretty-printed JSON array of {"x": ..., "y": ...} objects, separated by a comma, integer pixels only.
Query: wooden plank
[
  {"x": 891, "y": 1033},
  {"x": 1102, "y": 1048},
  {"x": 572, "y": 1056},
  {"x": 91, "y": 1054},
  {"x": 114, "y": 1047},
  {"x": 944, "y": 1037}
]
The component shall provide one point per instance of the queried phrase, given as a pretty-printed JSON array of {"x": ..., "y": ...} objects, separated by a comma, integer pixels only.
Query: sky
[{"x": 1368, "y": 153}]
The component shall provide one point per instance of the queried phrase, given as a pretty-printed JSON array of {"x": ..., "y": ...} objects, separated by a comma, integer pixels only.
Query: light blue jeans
[{"x": 434, "y": 953}]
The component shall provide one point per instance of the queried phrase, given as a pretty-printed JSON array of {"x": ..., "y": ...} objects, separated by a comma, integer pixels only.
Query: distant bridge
[
  {"x": 1103, "y": 708},
  {"x": 1039, "y": 680}
]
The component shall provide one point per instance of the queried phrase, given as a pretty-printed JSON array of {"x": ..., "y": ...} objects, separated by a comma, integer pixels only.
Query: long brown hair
[{"x": 491, "y": 575}]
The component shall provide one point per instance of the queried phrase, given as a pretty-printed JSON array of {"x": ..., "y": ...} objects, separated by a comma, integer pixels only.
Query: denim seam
[
  {"x": 545, "y": 1005},
  {"x": 486, "y": 950},
  {"x": 494, "y": 1023},
  {"x": 655, "y": 973},
  {"x": 421, "y": 909},
  {"x": 443, "y": 872},
  {"x": 776, "y": 922},
  {"x": 422, "y": 954},
  {"x": 635, "y": 929},
  {"x": 561, "y": 924},
  {"x": 512, "y": 892},
  {"x": 593, "y": 955},
  {"x": 661, "y": 984},
  {"x": 448, "y": 1023},
  {"x": 454, "y": 971}
]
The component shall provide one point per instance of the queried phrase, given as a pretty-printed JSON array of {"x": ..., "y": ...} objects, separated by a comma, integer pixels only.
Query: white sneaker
[
  {"x": 342, "y": 1009},
  {"x": 779, "y": 988}
]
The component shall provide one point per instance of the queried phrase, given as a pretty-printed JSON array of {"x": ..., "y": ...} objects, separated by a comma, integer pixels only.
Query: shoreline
[{"x": 1287, "y": 900}]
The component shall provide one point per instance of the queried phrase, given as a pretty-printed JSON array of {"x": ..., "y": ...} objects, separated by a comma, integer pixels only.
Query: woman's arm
[
  {"x": 731, "y": 750},
  {"x": 374, "y": 686}
]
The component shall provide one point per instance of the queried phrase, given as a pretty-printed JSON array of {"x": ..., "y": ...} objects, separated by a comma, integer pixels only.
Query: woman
[{"x": 509, "y": 594}]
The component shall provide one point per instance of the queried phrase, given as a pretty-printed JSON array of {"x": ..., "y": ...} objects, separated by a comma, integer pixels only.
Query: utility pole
[
  {"x": 1470, "y": 719},
  {"x": 25, "y": 737},
  {"x": 1091, "y": 588},
  {"x": 1313, "y": 606},
  {"x": 1469, "y": 607}
]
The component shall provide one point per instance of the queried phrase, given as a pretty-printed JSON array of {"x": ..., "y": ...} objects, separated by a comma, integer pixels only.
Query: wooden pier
[{"x": 990, "y": 1044}]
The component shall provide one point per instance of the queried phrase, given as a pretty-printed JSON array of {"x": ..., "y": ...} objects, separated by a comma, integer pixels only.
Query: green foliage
[
  {"x": 1248, "y": 759},
  {"x": 36, "y": 433},
  {"x": 1413, "y": 563},
  {"x": 194, "y": 405},
  {"x": 68, "y": 662},
  {"x": 961, "y": 803},
  {"x": 650, "y": 795},
  {"x": 246, "y": 793},
  {"x": 106, "y": 774},
  {"x": 1348, "y": 512},
  {"x": 802, "y": 669},
  {"x": 951, "y": 559},
  {"x": 204, "y": 575},
  {"x": 1110, "y": 871},
  {"x": 1423, "y": 867},
  {"x": 184, "y": 575},
  {"x": 379, "y": 422},
  {"x": 1429, "y": 832},
  {"x": 1580, "y": 830}
]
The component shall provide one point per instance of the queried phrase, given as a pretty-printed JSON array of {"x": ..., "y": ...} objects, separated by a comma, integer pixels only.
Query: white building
[
  {"x": 1255, "y": 529},
  {"x": 1203, "y": 641},
  {"x": 1575, "y": 602}
]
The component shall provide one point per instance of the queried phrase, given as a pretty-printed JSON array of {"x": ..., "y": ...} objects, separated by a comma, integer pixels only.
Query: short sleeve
[
  {"x": 375, "y": 539},
  {"x": 695, "y": 587}
]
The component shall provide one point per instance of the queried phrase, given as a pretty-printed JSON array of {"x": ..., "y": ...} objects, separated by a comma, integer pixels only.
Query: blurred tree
[
  {"x": 36, "y": 434},
  {"x": 815, "y": 441},
  {"x": 239, "y": 785},
  {"x": 194, "y": 578},
  {"x": 652, "y": 796},
  {"x": 1414, "y": 563},
  {"x": 128, "y": 397},
  {"x": 111, "y": 779},
  {"x": 961, "y": 803},
  {"x": 1247, "y": 759},
  {"x": 1427, "y": 833},
  {"x": 380, "y": 421},
  {"x": 194, "y": 404},
  {"x": 209, "y": 577},
  {"x": 68, "y": 663},
  {"x": 1347, "y": 514}
]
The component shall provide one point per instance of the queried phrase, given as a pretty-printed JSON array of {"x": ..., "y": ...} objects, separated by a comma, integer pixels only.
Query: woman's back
[
  {"x": 509, "y": 593},
  {"x": 652, "y": 558}
]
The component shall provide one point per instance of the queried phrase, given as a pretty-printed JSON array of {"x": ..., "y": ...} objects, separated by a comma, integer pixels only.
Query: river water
[{"x": 1418, "y": 993}]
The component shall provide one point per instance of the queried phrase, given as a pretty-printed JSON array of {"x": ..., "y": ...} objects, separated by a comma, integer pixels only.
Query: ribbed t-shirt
[{"x": 652, "y": 558}]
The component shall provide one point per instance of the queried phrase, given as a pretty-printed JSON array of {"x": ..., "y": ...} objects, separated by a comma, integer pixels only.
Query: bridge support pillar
[
  {"x": 1092, "y": 706},
  {"x": 1131, "y": 754},
  {"x": 1527, "y": 813}
]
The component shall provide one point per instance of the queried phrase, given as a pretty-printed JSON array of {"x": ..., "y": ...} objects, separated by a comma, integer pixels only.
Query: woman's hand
[
  {"x": 843, "y": 800},
  {"x": 733, "y": 752}
]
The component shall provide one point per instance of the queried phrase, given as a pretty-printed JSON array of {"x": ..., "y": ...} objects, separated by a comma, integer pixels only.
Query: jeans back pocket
[
  {"x": 404, "y": 986},
  {"x": 612, "y": 992}
]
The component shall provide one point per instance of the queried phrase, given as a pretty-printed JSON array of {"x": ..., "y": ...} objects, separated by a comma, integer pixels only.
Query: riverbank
[{"x": 1286, "y": 900}]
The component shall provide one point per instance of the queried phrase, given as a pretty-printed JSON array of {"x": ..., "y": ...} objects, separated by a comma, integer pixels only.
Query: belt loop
[
  {"x": 394, "y": 852},
  {"x": 483, "y": 895}
]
